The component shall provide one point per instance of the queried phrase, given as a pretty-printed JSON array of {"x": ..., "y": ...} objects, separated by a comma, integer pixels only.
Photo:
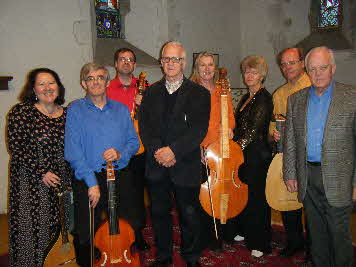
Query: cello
[
  {"x": 115, "y": 236},
  {"x": 223, "y": 195},
  {"x": 141, "y": 86}
]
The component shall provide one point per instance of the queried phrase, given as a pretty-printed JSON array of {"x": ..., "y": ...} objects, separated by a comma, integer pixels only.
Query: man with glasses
[
  {"x": 173, "y": 121},
  {"x": 97, "y": 130},
  {"x": 291, "y": 62},
  {"x": 124, "y": 89},
  {"x": 319, "y": 158}
]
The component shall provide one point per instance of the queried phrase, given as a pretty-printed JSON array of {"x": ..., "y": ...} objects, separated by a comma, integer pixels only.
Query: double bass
[
  {"x": 141, "y": 86},
  {"x": 223, "y": 195},
  {"x": 115, "y": 236}
]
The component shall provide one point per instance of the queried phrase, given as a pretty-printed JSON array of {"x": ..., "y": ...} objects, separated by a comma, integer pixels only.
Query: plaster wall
[
  {"x": 207, "y": 25},
  {"x": 40, "y": 33},
  {"x": 281, "y": 24},
  {"x": 269, "y": 26},
  {"x": 147, "y": 25}
]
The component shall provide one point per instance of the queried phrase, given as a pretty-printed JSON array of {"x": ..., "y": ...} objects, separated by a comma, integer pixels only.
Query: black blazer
[{"x": 187, "y": 127}]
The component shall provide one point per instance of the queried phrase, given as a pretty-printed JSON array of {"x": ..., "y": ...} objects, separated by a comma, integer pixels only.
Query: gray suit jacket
[{"x": 338, "y": 149}]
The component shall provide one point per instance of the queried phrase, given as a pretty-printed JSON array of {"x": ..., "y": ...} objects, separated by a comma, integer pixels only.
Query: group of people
[{"x": 178, "y": 119}]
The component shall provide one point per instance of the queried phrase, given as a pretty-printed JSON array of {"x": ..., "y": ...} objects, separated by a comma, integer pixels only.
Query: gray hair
[
  {"x": 174, "y": 44},
  {"x": 91, "y": 66},
  {"x": 319, "y": 49}
]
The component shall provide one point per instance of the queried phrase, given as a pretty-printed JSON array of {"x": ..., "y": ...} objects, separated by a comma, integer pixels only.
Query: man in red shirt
[{"x": 124, "y": 89}]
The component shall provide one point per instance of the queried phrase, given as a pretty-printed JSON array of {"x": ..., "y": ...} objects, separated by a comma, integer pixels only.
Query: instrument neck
[
  {"x": 280, "y": 125},
  {"x": 112, "y": 199},
  {"x": 64, "y": 231},
  {"x": 224, "y": 133}
]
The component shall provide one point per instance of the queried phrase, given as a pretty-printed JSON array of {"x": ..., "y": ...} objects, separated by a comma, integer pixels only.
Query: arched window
[{"x": 107, "y": 19}]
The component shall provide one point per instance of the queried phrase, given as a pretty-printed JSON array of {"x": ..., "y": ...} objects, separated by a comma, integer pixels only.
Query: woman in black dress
[
  {"x": 253, "y": 115},
  {"x": 36, "y": 143}
]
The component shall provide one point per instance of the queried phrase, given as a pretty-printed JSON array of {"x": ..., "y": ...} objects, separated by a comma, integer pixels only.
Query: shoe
[
  {"x": 162, "y": 263},
  {"x": 239, "y": 238},
  {"x": 194, "y": 264},
  {"x": 289, "y": 251},
  {"x": 256, "y": 253}
]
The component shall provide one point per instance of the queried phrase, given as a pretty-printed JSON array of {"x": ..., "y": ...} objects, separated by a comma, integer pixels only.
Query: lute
[
  {"x": 277, "y": 195},
  {"x": 62, "y": 251}
]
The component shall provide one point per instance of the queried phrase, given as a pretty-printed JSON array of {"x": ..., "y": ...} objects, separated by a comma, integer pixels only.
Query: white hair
[
  {"x": 174, "y": 44},
  {"x": 320, "y": 49}
]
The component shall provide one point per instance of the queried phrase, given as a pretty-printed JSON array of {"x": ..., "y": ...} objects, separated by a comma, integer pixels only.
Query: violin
[
  {"x": 115, "y": 236},
  {"x": 223, "y": 195},
  {"x": 141, "y": 86}
]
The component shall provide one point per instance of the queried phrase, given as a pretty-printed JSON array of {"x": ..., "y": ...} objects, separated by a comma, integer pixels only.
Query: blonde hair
[
  {"x": 255, "y": 62},
  {"x": 195, "y": 77}
]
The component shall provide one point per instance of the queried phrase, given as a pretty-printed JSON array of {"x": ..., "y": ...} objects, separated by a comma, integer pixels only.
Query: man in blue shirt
[
  {"x": 319, "y": 158},
  {"x": 97, "y": 130}
]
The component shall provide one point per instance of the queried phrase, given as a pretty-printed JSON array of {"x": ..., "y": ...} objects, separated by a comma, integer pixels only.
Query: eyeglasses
[
  {"x": 320, "y": 68},
  {"x": 173, "y": 59},
  {"x": 126, "y": 59},
  {"x": 290, "y": 63},
  {"x": 100, "y": 78}
]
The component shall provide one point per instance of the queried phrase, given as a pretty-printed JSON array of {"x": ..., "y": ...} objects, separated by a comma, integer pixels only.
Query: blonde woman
[{"x": 253, "y": 115}]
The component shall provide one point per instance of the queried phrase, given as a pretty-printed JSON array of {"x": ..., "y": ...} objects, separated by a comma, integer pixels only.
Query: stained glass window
[
  {"x": 330, "y": 13},
  {"x": 107, "y": 18}
]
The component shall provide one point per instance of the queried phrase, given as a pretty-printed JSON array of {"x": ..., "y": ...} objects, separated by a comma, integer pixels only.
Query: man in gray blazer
[{"x": 319, "y": 158}]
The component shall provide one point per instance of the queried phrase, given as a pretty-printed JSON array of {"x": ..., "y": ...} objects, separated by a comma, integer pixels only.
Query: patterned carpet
[{"x": 233, "y": 255}]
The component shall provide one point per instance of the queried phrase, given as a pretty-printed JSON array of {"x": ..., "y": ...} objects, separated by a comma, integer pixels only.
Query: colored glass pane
[
  {"x": 107, "y": 19},
  {"x": 330, "y": 13}
]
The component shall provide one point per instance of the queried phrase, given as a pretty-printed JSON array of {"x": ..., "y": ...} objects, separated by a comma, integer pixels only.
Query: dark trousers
[
  {"x": 292, "y": 221},
  {"x": 188, "y": 206},
  {"x": 137, "y": 169},
  {"x": 329, "y": 226}
]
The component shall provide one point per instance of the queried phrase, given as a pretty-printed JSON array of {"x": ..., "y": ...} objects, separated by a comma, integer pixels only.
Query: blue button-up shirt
[
  {"x": 90, "y": 131},
  {"x": 318, "y": 109}
]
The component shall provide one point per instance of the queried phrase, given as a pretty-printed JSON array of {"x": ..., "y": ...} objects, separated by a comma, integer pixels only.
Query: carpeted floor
[{"x": 233, "y": 255}]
